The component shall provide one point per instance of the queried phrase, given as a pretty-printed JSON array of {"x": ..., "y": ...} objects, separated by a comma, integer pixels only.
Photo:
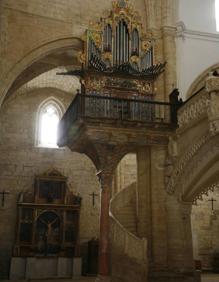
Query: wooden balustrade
[{"x": 114, "y": 108}]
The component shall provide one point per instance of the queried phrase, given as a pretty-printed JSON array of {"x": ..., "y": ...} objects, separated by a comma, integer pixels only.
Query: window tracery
[{"x": 49, "y": 115}]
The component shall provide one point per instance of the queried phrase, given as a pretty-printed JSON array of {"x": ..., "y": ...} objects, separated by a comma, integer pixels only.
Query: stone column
[
  {"x": 169, "y": 49},
  {"x": 180, "y": 253},
  {"x": 144, "y": 216},
  {"x": 104, "y": 256}
]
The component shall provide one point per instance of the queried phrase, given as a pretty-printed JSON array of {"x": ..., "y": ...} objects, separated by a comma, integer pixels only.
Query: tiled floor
[{"x": 209, "y": 277}]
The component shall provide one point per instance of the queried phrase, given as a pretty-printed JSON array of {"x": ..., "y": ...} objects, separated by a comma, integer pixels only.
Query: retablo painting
[{"x": 48, "y": 218}]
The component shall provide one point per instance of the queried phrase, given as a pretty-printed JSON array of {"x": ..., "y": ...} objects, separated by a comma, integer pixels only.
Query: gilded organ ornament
[{"x": 117, "y": 50}]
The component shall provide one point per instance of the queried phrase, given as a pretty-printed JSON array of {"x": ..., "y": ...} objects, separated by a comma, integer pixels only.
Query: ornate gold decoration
[
  {"x": 134, "y": 59},
  {"x": 82, "y": 57},
  {"x": 121, "y": 10},
  {"x": 107, "y": 56},
  {"x": 146, "y": 45}
]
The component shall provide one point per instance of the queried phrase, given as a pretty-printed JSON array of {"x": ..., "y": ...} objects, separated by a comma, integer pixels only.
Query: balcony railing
[{"x": 112, "y": 108}]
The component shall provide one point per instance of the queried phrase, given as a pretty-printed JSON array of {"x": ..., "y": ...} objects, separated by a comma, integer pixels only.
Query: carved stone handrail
[
  {"x": 203, "y": 105},
  {"x": 123, "y": 241},
  {"x": 212, "y": 86},
  {"x": 193, "y": 110}
]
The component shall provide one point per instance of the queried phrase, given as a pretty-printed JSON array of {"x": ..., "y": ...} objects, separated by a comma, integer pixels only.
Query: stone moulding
[
  {"x": 205, "y": 192},
  {"x": 204, "y": 104},
  {"x": 194, "y": 110},
  {"x": 212, "y": 83},
  {"x": 213, "y": 113},
  {"x": 171, "y": 186},
  {"x": 185, "y": 171},
  {"x": 193, "y": 171}
]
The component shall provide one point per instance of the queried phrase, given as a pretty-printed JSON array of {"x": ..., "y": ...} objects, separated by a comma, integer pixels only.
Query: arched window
[
  {"x": 49, "y": 115},
  {"x": 217, "y": 14}
]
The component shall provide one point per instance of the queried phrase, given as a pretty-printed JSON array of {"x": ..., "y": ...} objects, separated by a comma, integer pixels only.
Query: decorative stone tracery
[
  {"x": 181, "y": 164},
  {"x": 211, "y": 188}
]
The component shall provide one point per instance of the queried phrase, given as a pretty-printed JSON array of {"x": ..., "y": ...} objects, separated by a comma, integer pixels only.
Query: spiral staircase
[{"x": 129, "y": 252}]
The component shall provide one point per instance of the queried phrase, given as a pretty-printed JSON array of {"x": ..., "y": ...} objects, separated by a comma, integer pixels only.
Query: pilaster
[
  {"x": 144, "y": 210},
  {"x": 180, "y": 256}
]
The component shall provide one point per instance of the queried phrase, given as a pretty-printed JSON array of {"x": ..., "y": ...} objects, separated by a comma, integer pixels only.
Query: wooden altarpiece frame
[{"x": 48, "y": 218}]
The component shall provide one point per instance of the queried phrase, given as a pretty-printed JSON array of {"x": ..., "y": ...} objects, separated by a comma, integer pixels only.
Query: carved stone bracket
[{"x": 109, "y": 157}]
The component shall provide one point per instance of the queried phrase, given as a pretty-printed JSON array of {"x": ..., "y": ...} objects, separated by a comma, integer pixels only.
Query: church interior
[{"x": 109, "y": 140}]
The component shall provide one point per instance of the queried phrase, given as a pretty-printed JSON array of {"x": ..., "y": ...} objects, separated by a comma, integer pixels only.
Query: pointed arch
[
  {"x": 34, "y": 56},
  {"x": 49, "y": 114}
]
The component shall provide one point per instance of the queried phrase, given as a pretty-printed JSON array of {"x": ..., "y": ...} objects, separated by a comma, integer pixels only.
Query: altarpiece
[{"x": 48, "y": 218}]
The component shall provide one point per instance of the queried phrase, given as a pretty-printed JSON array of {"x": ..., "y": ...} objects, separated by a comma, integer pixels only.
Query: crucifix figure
[
  {"x": 212, "y": 203},
  {"x": 93, "y": 197},
  {"x": 3, "y": 194}
]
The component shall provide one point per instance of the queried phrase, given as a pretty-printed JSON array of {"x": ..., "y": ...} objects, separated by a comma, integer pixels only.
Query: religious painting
[
  {"x": 51, "y": 190},
  {"x": 50, "y": 187}
]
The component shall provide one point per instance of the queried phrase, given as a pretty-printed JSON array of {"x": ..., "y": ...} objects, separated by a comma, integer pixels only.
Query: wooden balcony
[{"x": 112, "y": 120}]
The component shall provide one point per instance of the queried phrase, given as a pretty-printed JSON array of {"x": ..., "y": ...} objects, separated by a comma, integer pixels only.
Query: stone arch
[
  {"x": 34, "y": 56},
  {"x": 199, "y": 82},
  {"x": 201, "y": 172},
  {"x": 205, "y": 190},
  {"x": 126, "y": 171}
]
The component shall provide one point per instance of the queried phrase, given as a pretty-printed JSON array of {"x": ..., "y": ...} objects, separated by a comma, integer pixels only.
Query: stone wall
[
  {"x": 38, "y": 23},
  {"x": 205, "y": 226},
  {"x": 126, "y": 172},
  {"x": 20, "y": 161},
  {"x": 48, "y": 26}
]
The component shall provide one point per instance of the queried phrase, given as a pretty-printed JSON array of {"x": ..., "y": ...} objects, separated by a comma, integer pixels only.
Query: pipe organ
[
  {"x": 118, "y": 40},
  {"x": 118, "y": 58}
]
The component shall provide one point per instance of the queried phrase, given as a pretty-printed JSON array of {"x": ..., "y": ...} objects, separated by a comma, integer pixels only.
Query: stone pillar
[
  {"x": 169, "y": 49},
  {"x": 159, "y": 217},
  {"x": 104, "y": 256},
  {"x": 180, "y": 253},
  {"x": 144, "y": 216}
]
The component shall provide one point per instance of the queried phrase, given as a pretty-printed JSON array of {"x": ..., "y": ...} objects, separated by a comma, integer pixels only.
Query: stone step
[
  {"x": 127, "y": 223},
  {"x": 121, "y": 214},
  {"x": 129, "y": 212}
]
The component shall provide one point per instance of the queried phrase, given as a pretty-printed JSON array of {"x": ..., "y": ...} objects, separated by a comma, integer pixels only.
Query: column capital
[{"x": 105, "y": 178}]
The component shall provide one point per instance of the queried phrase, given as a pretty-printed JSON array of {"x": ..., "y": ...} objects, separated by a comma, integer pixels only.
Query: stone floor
[
  {"x": 210, "y": 277},
  {"x": 206, "y": 277},
  {"x": 81, "y": 279}
]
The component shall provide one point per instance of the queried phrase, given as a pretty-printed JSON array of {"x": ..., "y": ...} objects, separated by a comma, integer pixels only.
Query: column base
[{"x": 102, "y": 278}]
